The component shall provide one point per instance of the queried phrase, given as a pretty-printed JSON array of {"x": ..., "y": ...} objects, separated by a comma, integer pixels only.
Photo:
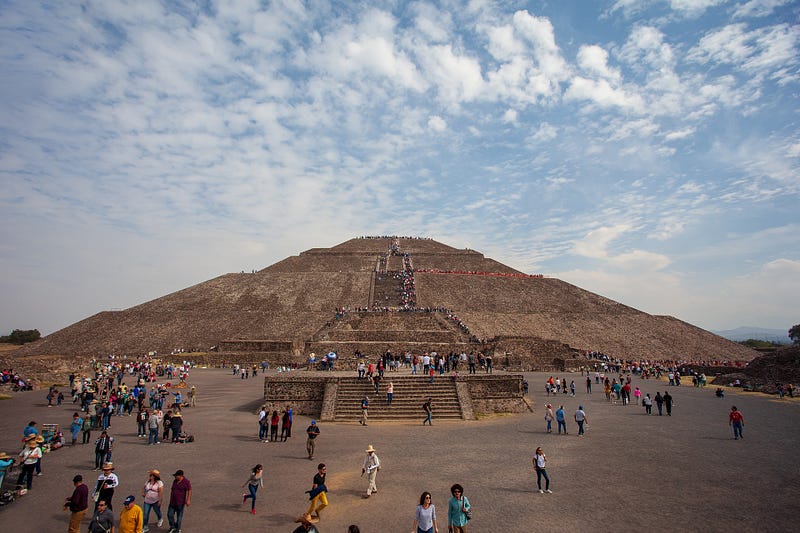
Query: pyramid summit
[{"x": 374, "y": 294}]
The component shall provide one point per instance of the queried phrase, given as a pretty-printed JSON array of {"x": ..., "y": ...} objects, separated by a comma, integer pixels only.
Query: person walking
[
  {"x": 311, "y": 442},
  {"x": 29, "y": 456},
  {"x": 581, "y": 419},
  {"x": 76, "y": 427},
  {"x": 668, "y": 402},
  {"x": 106, "y": 483},
  {"x": 317, "y": 494},
  {"x": 659, "y": 403},
  {"x": 648, "y": 404},
  {"x": 427, "y": 407},
  {"x": 540, "y": 465},
  {"x": 103, "y": 519},
  {"x": 255, "y": 480},
  {"x": 561, "y": 419},
  {"x": 86, "y": 430},
  {"x": 458, "y": 510},
  {"x": 549, "y": 417},
  {"x": 389, "y": 393},
  {"x": 180, "y": 497},
  {"x": 152, "y": 493},
  {"x": 77, "y": 504},
  {"x": 364, "y": 410},
  {"x": 425, "y": 515},
  {"x": 736, "y": 420},
  {"x": 102, "y": 451},
  {"x": 152, "y": 426},
  {"x": 193, "y": 396},
  {"x": 371, "y": 466},
  {"x": 130, "y": 519}
]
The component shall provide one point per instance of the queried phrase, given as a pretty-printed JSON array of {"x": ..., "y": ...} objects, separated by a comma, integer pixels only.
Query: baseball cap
[
  {"x": 178, "y": 473},
  {"x": 129, "y": 499}
]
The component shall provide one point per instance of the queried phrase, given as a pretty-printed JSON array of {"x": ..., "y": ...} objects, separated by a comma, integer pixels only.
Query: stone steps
[{"x": 410, "y": 392}]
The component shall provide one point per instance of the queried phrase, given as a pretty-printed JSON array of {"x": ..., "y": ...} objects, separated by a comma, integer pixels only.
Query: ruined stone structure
[{"x": 379, "y": 294}]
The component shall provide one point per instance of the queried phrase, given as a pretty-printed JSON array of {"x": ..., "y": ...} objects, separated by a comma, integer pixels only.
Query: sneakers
[
  {"x": 548, "y": 491},
  {"x": 244, "y": 499},
  {"x": 252, "y": 511},
  {"x": 160, "y": 522},
  {"x": 541, "y": 491},
  {"x": 145, "y": 529}
]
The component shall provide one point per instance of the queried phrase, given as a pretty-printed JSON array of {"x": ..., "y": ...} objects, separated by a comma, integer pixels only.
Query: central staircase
[{"x": 410, "y": 392}]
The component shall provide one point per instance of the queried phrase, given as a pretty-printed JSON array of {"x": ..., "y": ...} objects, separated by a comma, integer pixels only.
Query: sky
[{"x": 645, "y": 150}]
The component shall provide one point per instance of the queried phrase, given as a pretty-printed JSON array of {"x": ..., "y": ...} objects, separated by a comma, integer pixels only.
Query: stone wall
[
  {"x": 306, "y": 394},
  {"x": 501, "y": 393}
]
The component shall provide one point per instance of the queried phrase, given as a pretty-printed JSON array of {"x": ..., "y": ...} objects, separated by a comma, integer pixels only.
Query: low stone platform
[{"x": 336, "y": 396}]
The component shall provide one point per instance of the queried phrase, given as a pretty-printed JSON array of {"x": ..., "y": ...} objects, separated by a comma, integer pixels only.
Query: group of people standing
[{"x": 268, "y": 424}]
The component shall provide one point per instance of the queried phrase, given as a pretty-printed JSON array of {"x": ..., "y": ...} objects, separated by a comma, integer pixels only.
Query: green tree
[
  {"x": 21, "y": 336},
  {"x": 794, "y": 333}
]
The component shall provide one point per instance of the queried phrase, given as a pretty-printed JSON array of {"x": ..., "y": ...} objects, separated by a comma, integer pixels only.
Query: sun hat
[
  {"x": 4, "y": 455},
  {"x": 108, "y": 466},
  {"x": 154, "y": 472},
  {"x": 370, "y": 448},
  {"x": 307, "y": 519}
]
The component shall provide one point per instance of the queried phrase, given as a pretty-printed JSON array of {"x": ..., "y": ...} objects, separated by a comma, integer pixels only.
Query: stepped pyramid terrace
[{"x": 374, "y": 294}]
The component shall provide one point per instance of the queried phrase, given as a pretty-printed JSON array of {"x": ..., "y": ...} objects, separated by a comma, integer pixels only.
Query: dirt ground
[{"x": 631, "y": 471}]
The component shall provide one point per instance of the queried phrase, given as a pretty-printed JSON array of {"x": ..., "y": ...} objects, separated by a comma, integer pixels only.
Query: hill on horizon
[
  {"x": 473, "y": 301},
  {"x": 743, "y": 333}
]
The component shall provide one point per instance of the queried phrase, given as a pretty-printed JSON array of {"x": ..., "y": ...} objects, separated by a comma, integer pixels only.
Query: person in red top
[{"x": 737, "y": 421}]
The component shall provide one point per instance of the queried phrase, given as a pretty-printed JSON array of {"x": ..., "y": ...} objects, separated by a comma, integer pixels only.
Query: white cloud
[
  {"x": 679, "y": 134},
  {"x": 547, "y": 132},
  {"x": 594, "y": 60},
  {"x": 596, "y": 242},
  {"x": 437, "y": 123},
  {"x": 510, "y": 116},
  {"x": 758, "y": 8}
]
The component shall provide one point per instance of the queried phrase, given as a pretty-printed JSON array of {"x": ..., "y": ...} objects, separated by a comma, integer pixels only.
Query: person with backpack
[{"x": 141, "y": 420}]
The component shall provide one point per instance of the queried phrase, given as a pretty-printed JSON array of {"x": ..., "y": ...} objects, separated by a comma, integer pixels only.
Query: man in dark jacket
[{"x": 77, "y": 504}]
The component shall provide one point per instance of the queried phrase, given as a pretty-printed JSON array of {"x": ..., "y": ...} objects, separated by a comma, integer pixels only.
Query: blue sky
[{"x": 644, "y": 150}]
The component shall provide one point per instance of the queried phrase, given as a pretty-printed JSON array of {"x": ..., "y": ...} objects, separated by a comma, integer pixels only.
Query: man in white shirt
[{"x": 371, "y": 466}]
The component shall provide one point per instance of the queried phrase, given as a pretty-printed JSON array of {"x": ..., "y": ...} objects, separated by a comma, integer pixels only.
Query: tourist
[
  {"x": 180, "y": 497},
  {"x": 540, "y": 465},
  {"x": 5, "y": 462},
  {"x": 389, "y": 393},
  {"x": 255, "y": 480},
  {"x": 306, "y": 524},
  {"x": 193, "y": 396},
  {"x": 176, "y": 424},
  {"x": 152, "y": 425},
  {"x": 581, "y": 419},
  {"x": 86, "y": 433},
  {"x": 317, "y": 494},
  {"x": 106, "y": 482},
  {"x": 549, "y": 417},
  {"x": 425, "y": 515},
  {"x": 103, "y": 519},
  {"x": 427, "y": 407},
  {"x": 561, "y": 419},
  {"x": 637, "y": 394},
  {"x": 29, "y": 455},
  {"x": 141, "y": 422},
  {"x": 648, "y": 404},
  {"x": 458, "y": 510},
  {"x": 286, "y": 423},
  {"x": 371, "y": 466},
  {"x": 263, "y": 424},
  {"x": 130, "y": 519},
  {"x": 572, "y": 388},
  {"x": 77, "y": 504},
  {"x": 102, "y": 452},
  {"x": 153, "y": 493},
  {"x": 313, "y": 432},
  {"x": 736, "y": 420},
  {"x": 291, "y": 420},
  {"x": 588, "y": 383},
  {"x": 75, "y": 427},
  {"x": 275, "y": 421},
  {"x": 364, "y": 410},
  {"x": 166, "y": 423},
  {"x": 668, "y": 403},
  {"x": 659, "y": 403}
]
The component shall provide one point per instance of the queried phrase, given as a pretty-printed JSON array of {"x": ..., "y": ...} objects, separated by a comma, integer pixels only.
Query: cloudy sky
[{"x": 646, "y": 150}]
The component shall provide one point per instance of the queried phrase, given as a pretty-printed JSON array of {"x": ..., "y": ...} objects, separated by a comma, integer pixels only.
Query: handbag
[
  {"x": 96, "y": 496},
  {"x": 468, "y": 514}
]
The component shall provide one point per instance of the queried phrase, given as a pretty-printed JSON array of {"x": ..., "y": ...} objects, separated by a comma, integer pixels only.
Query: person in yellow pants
[{"x": 319, "y": 500}]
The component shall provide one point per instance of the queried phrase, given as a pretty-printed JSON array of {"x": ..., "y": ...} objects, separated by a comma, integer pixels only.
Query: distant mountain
[{"x": 780, "y": 336}]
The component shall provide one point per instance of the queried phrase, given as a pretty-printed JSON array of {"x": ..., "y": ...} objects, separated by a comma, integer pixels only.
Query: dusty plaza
[{"x": 654, "y": 473}]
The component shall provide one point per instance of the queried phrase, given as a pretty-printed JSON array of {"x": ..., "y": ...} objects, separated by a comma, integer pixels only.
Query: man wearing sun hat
[
  {"x": 306, "y": 524},
  {"x": 106, "y": 482},
  {"x": 371, "y": 466},
  {"x": 30, "y": 454},
  {"x": 130, "y": 520}
]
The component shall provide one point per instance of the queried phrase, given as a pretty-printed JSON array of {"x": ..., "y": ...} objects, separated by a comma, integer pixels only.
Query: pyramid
[{"x": 351, "y": 296}]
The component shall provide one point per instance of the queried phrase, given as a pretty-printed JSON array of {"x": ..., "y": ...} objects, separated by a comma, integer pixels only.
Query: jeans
[
  {"x": 26, "y": 474},
  {"x": 155, "y": 507},
  {"x": 262, "y": 431},
  {"x": 737, "y": 430},
  {"x": 580, "y": 427},
  {"x": 99, "y": 458},
  {"x": 175, "y": 516},
  {"x": 253, "y": 489},
  {"x": 153, "y": 437},
  {"x": 562, "y": 424},
  {"x": 540, "y": 473},
  {"x": 428, "y": 418},
  {"x": 549, "y": 426},
  {"x": 141, "y": 429}
]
